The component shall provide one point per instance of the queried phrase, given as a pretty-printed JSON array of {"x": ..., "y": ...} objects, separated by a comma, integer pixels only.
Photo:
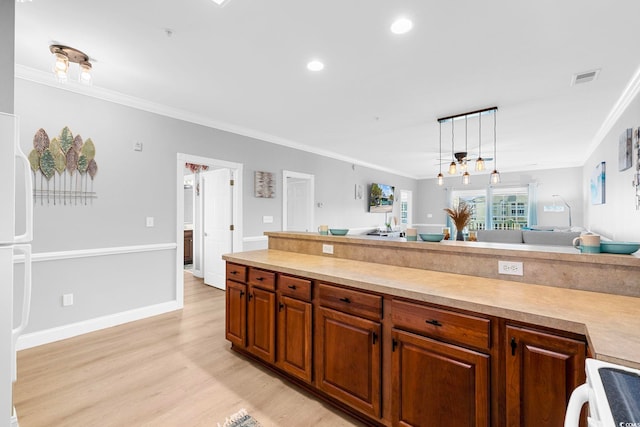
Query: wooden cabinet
[
  {"x": 438, "y": 384},
  {"x": 188, "y": 246},
  {"x": 295, "y": 327},
  {"x": 348, "y": 348},
  {"x": 399, "y": 362},
  {"x": 261, "y": 314},
  {"x": 541, "y": 372},
  {"x": 236, "y": 313},
  {"x": 295, "y": 337}
]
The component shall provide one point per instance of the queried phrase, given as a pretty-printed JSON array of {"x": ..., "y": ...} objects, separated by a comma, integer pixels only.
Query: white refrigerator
[{"x": 15, "y": 252}]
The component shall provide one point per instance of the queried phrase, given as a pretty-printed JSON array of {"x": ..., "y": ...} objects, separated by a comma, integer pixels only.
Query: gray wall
[
  {"x": 432, "y": 199},
  {"x": 132, "y": 185},
  {"x": 618, "y": 218},
  {"x": 7, "y": 63}
]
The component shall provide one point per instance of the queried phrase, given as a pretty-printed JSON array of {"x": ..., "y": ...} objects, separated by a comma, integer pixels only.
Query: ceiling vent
[{"x": 585, "y": 77}]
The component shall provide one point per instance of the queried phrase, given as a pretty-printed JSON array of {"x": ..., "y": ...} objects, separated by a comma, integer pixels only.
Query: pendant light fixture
[
  {"x": 452, "y": 166},
  {"x": 440, "y": 176},
  {"x": 480, "y": 160},
  {"x": 461, "y": 158},
  {"x": 495, "y": 175}
]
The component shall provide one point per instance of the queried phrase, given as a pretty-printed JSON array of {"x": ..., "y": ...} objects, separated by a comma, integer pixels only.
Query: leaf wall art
[{"x": 65, "y": 164}]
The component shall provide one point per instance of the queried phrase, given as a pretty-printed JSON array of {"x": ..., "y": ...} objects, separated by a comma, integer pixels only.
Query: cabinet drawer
[
  {"x": 444, "y": 324},
  {"x": 236, "y": 272},
  {"x": 295, "y": 287},
  {"x": 262, "y": 278},
  {"x": 349, "y": 301}
]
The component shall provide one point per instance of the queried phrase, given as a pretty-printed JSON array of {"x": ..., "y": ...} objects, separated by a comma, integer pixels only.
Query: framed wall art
[
  {"x": 264, "y": 184},
  {"x": 625, "y": 150},
  {"x": 597, "y": 184}
]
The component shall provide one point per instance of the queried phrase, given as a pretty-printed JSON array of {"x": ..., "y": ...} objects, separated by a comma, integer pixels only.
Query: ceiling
[{"x": 242, "y": 67}]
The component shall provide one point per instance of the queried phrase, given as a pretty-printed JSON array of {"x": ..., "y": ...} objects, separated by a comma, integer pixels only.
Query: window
[
  {"x": 507, "y": 209},
  {"x": 405, "y": 207}
]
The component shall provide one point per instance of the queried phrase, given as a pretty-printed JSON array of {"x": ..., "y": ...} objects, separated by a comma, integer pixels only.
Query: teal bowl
[
  {"x": 432, "y": 237},
  {"x": 338, "y": 231},
  {"x": 619, "y": 247}
]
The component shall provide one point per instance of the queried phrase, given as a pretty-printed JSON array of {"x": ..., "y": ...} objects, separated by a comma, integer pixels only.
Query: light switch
[
  {"x": 267, "y": 219},
  {"x": 67, "y": 300},
  {"x": 137, "y": 146},
  {"x": 149, "y": 221}
]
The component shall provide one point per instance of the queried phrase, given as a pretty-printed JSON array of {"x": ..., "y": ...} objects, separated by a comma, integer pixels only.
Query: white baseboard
[{"x": 74, "y": 329}]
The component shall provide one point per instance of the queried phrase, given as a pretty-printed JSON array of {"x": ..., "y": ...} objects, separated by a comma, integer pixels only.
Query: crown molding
[
  {"x": 48, "y": 79},
  {"x": 628, "y": 94}
]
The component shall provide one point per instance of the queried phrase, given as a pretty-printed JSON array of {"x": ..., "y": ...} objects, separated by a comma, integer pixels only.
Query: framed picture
[
  {"x": 597, "y": 184},
  {"x": 264, "y": 184},
  {"x": 625, "y": 150}
]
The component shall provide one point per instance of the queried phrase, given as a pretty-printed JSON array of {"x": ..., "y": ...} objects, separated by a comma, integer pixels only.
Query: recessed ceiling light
[
  {"x": 401, "y": 26},
  {"x": 315, "y": 65},
  {"x": 220, "y": 2}
]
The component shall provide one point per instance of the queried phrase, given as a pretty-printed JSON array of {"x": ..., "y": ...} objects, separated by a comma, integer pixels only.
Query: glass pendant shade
[
  {"x": 85, "y": 73},
  {"x": 466, "y": 178},
  {"x": 479, "y": 164},
  {"x": 495, "y": 177},
  {"x": 61, "y": 66},
  {"x": 452, "y": 168},
  {"x": 440, "y": 179}
]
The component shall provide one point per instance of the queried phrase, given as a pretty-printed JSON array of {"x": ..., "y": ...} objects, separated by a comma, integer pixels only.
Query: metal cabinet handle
[
  {"x": 375, "y": 338},
  {"x": 241, "y": 294},
  {"x": 514, "y": 345},
  {"x": 433, "y": 322},
  {"x": 292, "y": 287},
  {"x": 345, "y": 299}
]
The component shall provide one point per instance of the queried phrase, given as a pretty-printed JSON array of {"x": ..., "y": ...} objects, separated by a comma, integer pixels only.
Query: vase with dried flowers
[{"x": 461, "y": 216}]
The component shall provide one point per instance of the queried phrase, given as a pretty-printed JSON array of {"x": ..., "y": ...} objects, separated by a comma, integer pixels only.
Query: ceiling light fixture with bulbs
[
  {"x": 460, "y": 158},
  {"x": 64, "y": 55}
]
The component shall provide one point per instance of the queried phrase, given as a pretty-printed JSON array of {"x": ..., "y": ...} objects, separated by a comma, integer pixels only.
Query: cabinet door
[
  {"x": 262, "y": 323},
  {"x": 542, "y": 371},
  {"x": 438, "y": 384},
  {"x": 348, "y": 359},
  {"x": 294, "y": 337},
  {"x": 236, "y": 313}
]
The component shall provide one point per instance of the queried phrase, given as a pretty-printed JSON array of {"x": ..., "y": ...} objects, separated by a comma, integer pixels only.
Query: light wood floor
[{"x": 170, "y": 370}]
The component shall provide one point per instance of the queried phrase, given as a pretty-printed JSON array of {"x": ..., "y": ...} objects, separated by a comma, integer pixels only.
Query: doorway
[
  {"x": 229, "y": 205},
  {"x": 297, "y": 201}
]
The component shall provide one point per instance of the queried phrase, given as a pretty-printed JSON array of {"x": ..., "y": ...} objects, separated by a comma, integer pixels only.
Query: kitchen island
[{"x": 498, "y": 346}]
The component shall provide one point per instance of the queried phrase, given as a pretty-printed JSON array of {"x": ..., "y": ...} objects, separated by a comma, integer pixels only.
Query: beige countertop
[{"x": 611, "y": 323}]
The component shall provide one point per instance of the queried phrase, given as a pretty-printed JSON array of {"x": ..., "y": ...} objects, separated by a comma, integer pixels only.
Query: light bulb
[
  {"x": 479, "y": 164},
  {"x": 495, "y": 177},
  {"x": 440, "y": 179}
]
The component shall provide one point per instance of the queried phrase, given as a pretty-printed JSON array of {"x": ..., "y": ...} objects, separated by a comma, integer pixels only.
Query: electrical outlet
[
  {"x": 513, "y": 268},
  {"x": 267, "y": 219},
  {"x": 67, "y": 300},
  {"x": 327, "y": 249},
  {"x": 149, "y": 221}
]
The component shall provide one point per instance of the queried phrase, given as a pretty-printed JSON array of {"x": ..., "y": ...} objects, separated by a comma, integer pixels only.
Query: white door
[
  {"x": 216, "y": 225},
  {"x": 298, "y": 201}
]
